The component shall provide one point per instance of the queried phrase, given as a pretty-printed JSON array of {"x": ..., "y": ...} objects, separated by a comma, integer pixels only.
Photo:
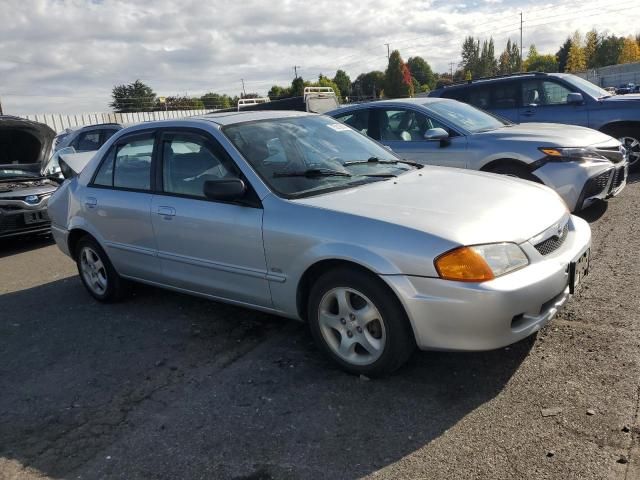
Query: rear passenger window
[
  {"x": 358, "y": 120},
  {"x": 480, "y": 97},
  {"x": 505, "y": 95},
  {"x": 127, "y": 164},
  {"x": 88, "y": 141},
  {"x": 132, "y": 165}
]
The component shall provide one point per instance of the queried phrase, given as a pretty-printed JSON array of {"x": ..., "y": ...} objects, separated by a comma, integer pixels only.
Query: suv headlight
[
  {"x": 479, "y": 263},
  {"x": 571, "y": 154}
]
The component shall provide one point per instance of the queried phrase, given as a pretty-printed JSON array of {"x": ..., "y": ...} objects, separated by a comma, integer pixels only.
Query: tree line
[
  {"x": 576, "y": 54},
  {"x": 406, "y": 79}
]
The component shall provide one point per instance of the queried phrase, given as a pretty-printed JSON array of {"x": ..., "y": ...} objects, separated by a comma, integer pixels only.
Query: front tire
[
  {"x": 359, "y": 323},
  {"x": 97, "y": 273}
]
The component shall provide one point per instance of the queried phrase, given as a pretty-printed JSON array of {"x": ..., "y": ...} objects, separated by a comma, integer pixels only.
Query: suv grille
[
  {"x": 618, "y": 178},
  {"x": 551, "y": 244}
]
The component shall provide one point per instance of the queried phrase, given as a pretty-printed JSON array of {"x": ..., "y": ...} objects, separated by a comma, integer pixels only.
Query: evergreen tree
[
  {"x": 608, "y": 51},
  {"x": 134, "y": 97},
  {"x": 343, "y": 82},
  {"x": 470, "y": 55},
  {"x": 563, "y": 54},
  {"x": 504, "y": 63},
  {"x": 592, "y": 42}
]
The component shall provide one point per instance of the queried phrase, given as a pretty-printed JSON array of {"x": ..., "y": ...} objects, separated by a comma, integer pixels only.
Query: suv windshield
[
  {"x": 303, "y": 156},
  {"x": 465, "y": 116},
  {"x": 586, "y": 86}
]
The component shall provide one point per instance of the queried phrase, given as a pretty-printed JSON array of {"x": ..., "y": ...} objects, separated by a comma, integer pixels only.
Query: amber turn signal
[{"x": 464, "y": 265}]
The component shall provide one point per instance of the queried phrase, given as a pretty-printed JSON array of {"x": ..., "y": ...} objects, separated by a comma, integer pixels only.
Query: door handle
[
  {"x": 91, "y": 202},
  {"x": 166, "y": 211},
  {"x": 528, "y": 113}
]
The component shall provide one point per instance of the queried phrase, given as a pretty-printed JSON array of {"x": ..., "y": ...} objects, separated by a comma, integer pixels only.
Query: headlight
[
  {"x": 479, "y": 263},
  {"x": 572, "y": 154}
]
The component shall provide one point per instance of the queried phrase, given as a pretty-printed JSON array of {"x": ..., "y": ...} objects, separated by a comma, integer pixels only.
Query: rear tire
[
  {"x": 97, "y": 273},
  {"x": 359, "y": 323}
]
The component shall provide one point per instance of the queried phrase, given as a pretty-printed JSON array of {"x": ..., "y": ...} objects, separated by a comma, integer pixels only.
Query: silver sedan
[
  {"x": 299, "y": 215},
  {"x": 581, "y": 164}
]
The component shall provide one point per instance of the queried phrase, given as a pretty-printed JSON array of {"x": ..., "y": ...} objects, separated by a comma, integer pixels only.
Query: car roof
[
  {"x": 230, "y": 118},
  {"x": 499, "y": 78},
  {"x": 419, "y": 101}
]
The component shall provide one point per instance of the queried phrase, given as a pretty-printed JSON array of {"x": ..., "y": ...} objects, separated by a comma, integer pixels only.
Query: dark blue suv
[{"x": 555, "y": 98}]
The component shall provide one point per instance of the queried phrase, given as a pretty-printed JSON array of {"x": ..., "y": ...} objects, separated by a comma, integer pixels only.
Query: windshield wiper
[
  {"x": 370, "y": 160},
  {"x": 312, "y": 173}
]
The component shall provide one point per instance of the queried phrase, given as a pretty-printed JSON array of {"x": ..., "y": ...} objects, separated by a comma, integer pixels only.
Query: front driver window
[
  {"x": 536, "y": 92},
  {"x": 189, "y": 161},
  {"x": 407, "y": 125}
]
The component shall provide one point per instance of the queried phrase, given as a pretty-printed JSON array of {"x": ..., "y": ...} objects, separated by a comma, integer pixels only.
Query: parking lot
[{"x": 169, "y": 386}]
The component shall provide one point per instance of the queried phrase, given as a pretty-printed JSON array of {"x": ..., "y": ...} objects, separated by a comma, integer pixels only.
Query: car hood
[
  {"x": 551, "y": 134},
  {"x": 461, "y": 206},
  {"x": 25, "y": 143},
  {"x": 19, "y": 188},
  {"x": 633, "y": 97}
]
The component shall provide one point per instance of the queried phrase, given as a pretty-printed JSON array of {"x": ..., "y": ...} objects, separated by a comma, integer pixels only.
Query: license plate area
[
  {"x": 37, "y": 216},
  {"x": 578, "y": 269}
]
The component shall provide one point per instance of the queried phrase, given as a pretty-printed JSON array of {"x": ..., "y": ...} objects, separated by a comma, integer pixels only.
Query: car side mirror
[
  {"x": 227, "y": 189},
  {"x": 436, "y": 134},
  {"x": 575, "y": 98}
]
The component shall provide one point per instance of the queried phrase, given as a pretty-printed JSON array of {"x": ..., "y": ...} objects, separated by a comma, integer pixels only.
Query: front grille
[
  {"x": 618, "y": 179},
  {"x": 551, "y": 244},
  {"x": 597, "y": 184}
]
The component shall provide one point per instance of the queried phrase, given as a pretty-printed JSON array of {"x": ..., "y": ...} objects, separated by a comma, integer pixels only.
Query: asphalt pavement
[{"x": 165, "y": 386}]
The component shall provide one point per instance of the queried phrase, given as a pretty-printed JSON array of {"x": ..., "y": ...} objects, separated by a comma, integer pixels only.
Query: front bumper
[
  {"x": 582, "y": 183},
  {"x": 20, "y": 218},
  {"x": 448, "y": 315}
]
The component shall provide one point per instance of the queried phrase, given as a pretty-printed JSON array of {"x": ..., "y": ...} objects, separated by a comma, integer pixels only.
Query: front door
[
  {"x": 117, "y": 203},
  {"x": 545, "y": 101},
  {"x": 206, "y": 246},
  {"x": 403, "y": 131}
]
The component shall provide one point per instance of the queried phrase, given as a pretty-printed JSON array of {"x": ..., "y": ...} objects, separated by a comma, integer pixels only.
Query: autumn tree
[
  {"x": 470, "y": 55},
  {"x": 630, "y": 51},
  {"x": 397, "y": 81},
  {"x": 575, "y": 59}
]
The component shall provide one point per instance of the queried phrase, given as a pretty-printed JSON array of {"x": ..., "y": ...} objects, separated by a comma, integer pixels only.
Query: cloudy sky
[{"x": 66, "y": 55}]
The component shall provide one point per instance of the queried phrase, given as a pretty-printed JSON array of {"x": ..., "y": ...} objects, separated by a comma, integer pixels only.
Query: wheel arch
[
  {"x": 74, "y": 237},
  {"x": 612, "y": 126},
  {"x": 498, "y": 162}
]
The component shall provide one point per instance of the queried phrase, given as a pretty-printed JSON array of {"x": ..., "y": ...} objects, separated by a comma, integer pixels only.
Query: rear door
[
  {"x": 545, "y": 100},
  {"x": 403, "y": 130},
  {"x": 117, "y": 203},
  {"x": 206, "y": 246}
]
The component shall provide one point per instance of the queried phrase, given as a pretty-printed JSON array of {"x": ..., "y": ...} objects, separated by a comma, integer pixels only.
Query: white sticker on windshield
[{"x": 338, "y": 127}]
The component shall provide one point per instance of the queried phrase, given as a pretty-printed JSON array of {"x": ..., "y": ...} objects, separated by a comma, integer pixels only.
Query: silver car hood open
[
  {"x": 551, "y": 135},
  {"x": 464, "y": 207}
]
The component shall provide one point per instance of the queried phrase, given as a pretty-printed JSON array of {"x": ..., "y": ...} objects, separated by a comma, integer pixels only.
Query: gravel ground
[{"x": 169, "y": 386}]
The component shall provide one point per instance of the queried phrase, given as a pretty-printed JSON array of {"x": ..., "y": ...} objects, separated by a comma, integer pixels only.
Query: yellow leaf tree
[
  {"x": 630, "y": 51},
  {"x": 576, "y": 61}
]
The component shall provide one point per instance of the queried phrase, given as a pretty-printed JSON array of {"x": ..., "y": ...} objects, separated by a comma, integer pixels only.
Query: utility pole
[
  {"x": 244, "y": 93},
  {"x": 521, "y": 61},
  {"x": 1, "y": 107},
  {"x": 451, "y": 64},
  {"x": 388, "y": 54},
  {"x": 295, "y": 70}
]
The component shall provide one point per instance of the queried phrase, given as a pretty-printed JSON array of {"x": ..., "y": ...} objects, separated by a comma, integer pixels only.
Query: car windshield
[
  {"x": 587, "y": 87},
  {"x": 309, "y": 155},
  {"x": 465, "y": 116}
]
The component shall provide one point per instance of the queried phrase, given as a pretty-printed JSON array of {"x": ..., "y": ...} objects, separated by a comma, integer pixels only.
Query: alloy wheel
[
  {"x": 93, "y": 271},
  {"x": 352, "y": 326},
  {"x": 633, "y": 148}
]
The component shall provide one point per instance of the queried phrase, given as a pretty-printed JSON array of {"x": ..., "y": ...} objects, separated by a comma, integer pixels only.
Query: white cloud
[{"x": 65, "y": 56}]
